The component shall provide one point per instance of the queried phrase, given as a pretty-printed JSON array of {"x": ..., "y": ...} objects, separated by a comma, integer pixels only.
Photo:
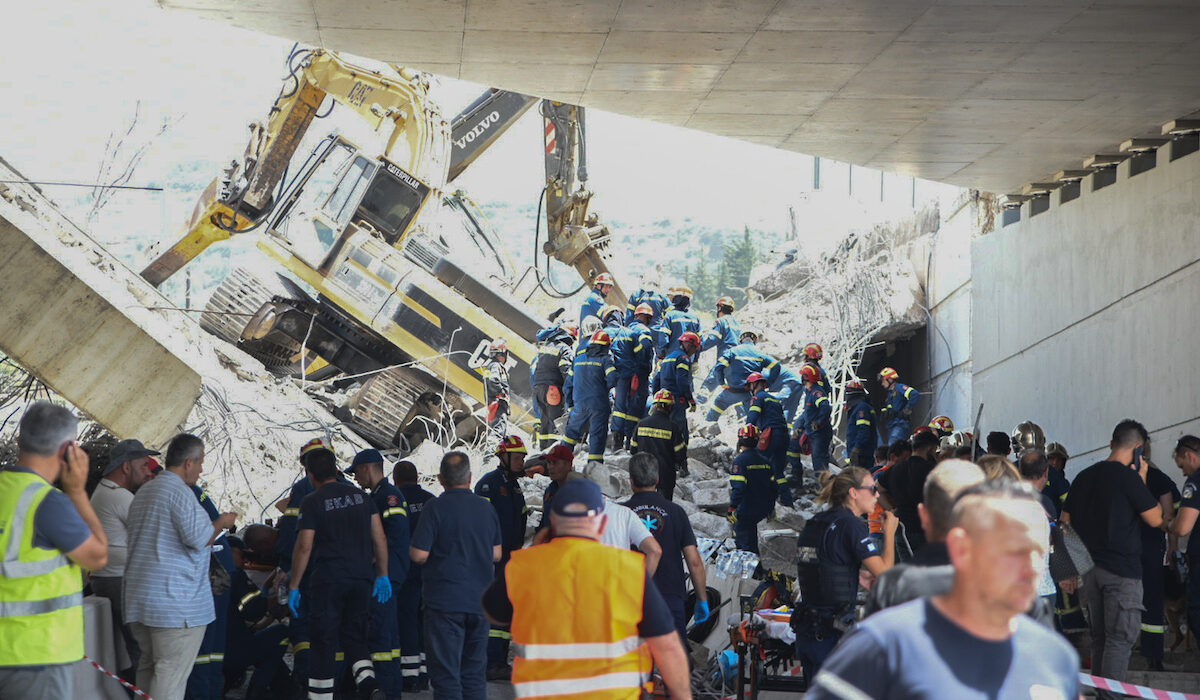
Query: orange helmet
[
  {"x": 942, "y": 424},
  {"x": 600, "y": 338},
  {"x": 748, "y": 432},
  {"x": 604, "y": 278},
  {"x": 512, "y": 443},
  {"x": 755, "y": 377},
  {"x": 664, "y": 396},
  {"x": 608, "y": 310},
  {"x": 690, "y": 337},
  {"x": 643, "y": 309},
  {"x": 888, "y": 373},
  {"x": 725, "y": 301},
  {"x": 813, "y": 351},
  {"x": 810, "y": 374},
  {"x": 683, "y": 291}
]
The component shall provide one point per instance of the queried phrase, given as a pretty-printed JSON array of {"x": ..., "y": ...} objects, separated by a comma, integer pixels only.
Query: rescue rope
[{"x": 133, "y": 688}]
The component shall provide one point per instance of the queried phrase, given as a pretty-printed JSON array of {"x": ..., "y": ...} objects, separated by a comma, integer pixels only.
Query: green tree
[{"x": 739, "y": 258}]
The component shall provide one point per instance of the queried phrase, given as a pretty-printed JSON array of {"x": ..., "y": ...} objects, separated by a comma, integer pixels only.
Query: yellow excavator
[{"x": 401, "y": 286}]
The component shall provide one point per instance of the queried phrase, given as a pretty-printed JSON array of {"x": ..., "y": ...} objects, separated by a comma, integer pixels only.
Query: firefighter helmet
[
  {"x": 643, "y": 309},
  {"x": 591, "y": 324},
  {"x": 600, "y": 338},
  {"x": 813, "y": 351},
  {"x": 571, "y": 326},
  {"x": 314, "y": 445},
  {"x": 664, "y": 396},
  {"x": 752, "y": 333},
  {"x": 499, "y": 346},
  {"x": 725, "y": 301},
  {"x": 689, "y": 337},
  {"x": 922, "y": 429},
  {"x": 888, "y": 373},
  {"x": 1056, "y": 448},
  {"x": 809, "y": 373},
  {"x": 512, "y": 443},
  {"x": 855, "y": 387},
  {"x": 942, "y": 425},
  {"x": 755, "y": 377},
  {"x": 608, "y": 310},
  {"x": 1028, "y": 436},
  {"x": 748, "y": 432},
  {"x": 683, "y": 291},
  {"x": 603, "y": 278}
]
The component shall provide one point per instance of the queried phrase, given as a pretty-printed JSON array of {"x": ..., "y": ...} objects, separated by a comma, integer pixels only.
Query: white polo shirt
[{"x": 111, "y": 503}]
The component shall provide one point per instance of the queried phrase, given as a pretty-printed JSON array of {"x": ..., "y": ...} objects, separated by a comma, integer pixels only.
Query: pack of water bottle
[{"x": 736, "y": 564}]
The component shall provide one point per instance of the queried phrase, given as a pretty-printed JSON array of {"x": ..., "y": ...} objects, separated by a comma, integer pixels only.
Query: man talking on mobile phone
[{"x": 1107, "y": 503}]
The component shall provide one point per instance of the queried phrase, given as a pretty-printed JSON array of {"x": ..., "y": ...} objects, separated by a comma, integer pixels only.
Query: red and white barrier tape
[
  {"x": 136, "y": 690},
  {"x": 1137, "y": 691}
]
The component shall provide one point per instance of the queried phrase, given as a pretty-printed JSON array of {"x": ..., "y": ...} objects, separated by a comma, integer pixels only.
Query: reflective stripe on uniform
[
  {"x": 838, "y": 687},
  {"x": 608, "y": 681},
  {"x": 246, "y": 599},
  {"x": 862, "y": 422},
  {"x": 797, "y": 455},
  {"x": 587, "y": 650},
  {"x": 625, "y": 416},
  {"x": 291, "y": 511},
  {"x": 1154, "y": 629},
  {"x": 22, "y": 608},
  {"x": 759, "y": 466},
  {"x": 397, "y": 510},
  {"x": 12, "y": 566},
  {"x": 499, "y": 634},
  {"x": 653, "y": 432},
  {"x": 823, "y": 398},
  {"x": 592, "y": 457},
  {"x": 737, "y": 477}
]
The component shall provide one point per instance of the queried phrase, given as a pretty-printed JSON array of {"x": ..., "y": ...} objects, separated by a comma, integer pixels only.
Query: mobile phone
[{"x": 1137, "y": 458}]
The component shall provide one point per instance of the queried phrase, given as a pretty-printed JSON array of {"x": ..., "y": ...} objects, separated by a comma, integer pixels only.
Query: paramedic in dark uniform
[
  {"x": 408, "y": 607},
  {"x": 340, "y": 532}
]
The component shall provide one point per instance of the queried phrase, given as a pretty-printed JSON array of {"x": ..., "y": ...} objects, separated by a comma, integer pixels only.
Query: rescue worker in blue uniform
[
  {"x": 726, "y": 332},
  {"x": 675, "y": 375},
  {"x": 650, "y": 296},
  {"x": 677, "y": 321},
  {"x": 633, "y": 358},
  {"x": 612, "y": 320},
  {"x": 656, "y": 434},
  {"x": 766, "y": 415},
  {"x": 730, "y": 374},
  {"x": 898, "y": 405},
  {"x": 207, "y": 679},
  {"x": 495, "y": 385},
  {"x": 814, "y": 422},
  {"x": 1154, "y": 552},
  {"x": 833, "y": 546},
  {"x": 549, "y": 378},
  {"x": 752, "y": 490},
  {"x": 254, "y": 636},
  {"x": 408, "y": 607},
  {"x": 383, "y": 635},
  {"x": 862, "y": 435},
  {"x": 788, "y": 386},
  {"x": 593, "y": 375},
  {"x": 813, "y": 353},
  {"x": 501, "y": 488},
  {"x": 602, "y": 285},
  {"x": 591, "y": 324}
]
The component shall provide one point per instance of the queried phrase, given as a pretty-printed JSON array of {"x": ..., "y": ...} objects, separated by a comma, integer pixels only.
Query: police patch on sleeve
[
  {"x": 1189, "y": 490},
  {"x": 870, "y": 544}
]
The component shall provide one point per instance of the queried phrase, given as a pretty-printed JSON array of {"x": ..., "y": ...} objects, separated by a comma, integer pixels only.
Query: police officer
[
  {"x": 650, "y": 296},
  {"x": 593, "y": 375},
  {"x": 495, "y": 385},
  {"x": 339, "y": 533},
  {"x": 660, "y": 436},
  {"x": 633, "y": 358},
  {"x": 408, "y": 607},
  {"x": 675, "y": 375},
  {"x": 861, "y": 433},
  {"x": 500, "y": 488},
  {"x": 833, "y": 546},
  {"x": 814, "y": 421},
  {"x": 752, "y": 489},
  {"x": 730, "y": 374},
  {"x": 677, "y": 321},
  {"x": 898, "y": 405},
  {"x": 550, "y": 373},
  {"x": 601, "y": 286},
  {"x": 383, "y": 636},
  {"x": 766, "y": 415},
  {"x": 207, "y": 679},
  {"x": 726, "y": 332}
]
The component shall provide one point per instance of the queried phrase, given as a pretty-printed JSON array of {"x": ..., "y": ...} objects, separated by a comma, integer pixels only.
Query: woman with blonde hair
[{"x": 996, "y": 467}]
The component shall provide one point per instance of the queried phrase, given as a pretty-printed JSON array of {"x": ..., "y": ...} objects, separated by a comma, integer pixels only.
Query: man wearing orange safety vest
[{"x": 589, "y": 637}]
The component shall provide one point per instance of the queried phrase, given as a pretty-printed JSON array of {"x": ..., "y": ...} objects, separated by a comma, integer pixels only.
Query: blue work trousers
[
  {"x": 1193, "y": 596},
  {"x": 408, "y": 614},
  {"x": 456, "y": 646},
  {"x": 776, "y": 452},
  {"x": 728, "y": 398},
  {"x": 897, "y": 429},
  {"x": 338, "y": 619},
  {"x": 499, "y": 636},
  {"x": 595, "y": 420},
  {"x": 630, "y": 404},
  {"x": 819, "y": 440},
  {"x": 679, "y": 417},
  {"x": 207, "y": 679},
  {"x": 790, "y": 392},
  {"x": 383, "y": 641},
  {"x": 745, "y": 530},
  {"x": 265, "y": 654}
]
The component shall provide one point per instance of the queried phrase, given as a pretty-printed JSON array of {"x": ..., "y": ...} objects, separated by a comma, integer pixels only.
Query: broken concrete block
[
  {"x": 683, "y": 491},
  {"x": 779, "y": 552},
  {"x": 687, "y": 506},
  {"x": 613, "y": 482},
  {"x": 709, "y": 525},
  {"x": 790, "y": 518},
  {"x": 700, "y": 471},
  {"x": 715, "y": 499}
]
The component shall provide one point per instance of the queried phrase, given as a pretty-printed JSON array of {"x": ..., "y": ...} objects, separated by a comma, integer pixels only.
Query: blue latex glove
[
  {"x": 383, "y": 589},
  {"x": 294, "y": 602},
  {"x": 701, "y": 612}
]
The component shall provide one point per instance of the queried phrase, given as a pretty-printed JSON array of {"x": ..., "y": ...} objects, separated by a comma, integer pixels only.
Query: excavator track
[
  {"x": 244, "y": 292},
  {"x": 404, "y": 406}
]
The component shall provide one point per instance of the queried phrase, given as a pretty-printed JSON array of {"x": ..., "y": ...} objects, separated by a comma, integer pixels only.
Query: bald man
[{"x": 997, "y": 541}]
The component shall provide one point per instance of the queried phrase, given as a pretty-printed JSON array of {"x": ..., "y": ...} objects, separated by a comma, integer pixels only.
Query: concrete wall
[{"x": 1087, "y": 313}]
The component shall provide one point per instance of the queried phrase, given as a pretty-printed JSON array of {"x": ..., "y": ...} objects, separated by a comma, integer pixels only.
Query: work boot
[{"x": 499, "y": 673}]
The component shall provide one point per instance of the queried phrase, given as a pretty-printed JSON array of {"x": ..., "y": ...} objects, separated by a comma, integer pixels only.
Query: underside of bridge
[{"x": 989, "y": 95}]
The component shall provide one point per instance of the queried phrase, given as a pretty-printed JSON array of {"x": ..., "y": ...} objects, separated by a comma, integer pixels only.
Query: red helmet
[
  {"x": 725, "y": 301},
  {"x": 313, "y": 445},
  {"x": 690, "y": 337},
  {"x": 600, "y": 338},
  {"x": 603, "y": 278},
  {"x": 748, "y": 432},
  {"x": 854, "y": 385},
  {"x": 810, "y": 374},
  {"x": 643, "y": 309},
  {"x": 888, "y": 373},
  {"x": 664, "y": 396},
  {"x": 512, "y": 443},
  {"x": 922, "y": 429},
  {"x": 942, "y": 424},
  {"x": 813, "y": 351},
  {"x": 755, "y": 377}
]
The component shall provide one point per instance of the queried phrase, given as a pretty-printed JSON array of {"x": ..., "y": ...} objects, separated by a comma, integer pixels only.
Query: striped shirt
[{"x": 166, "y": 573}]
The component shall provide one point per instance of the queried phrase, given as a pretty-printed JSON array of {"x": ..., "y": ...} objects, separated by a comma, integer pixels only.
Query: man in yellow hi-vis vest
[
  {"x": 46, "y": 535},
  {"x": 601, "y": 627}
]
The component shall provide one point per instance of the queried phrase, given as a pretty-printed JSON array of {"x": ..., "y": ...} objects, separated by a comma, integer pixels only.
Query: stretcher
[{"x": 766, "y": 648}]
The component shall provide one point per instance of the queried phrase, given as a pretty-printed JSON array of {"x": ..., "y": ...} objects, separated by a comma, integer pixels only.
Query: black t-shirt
[
  {"x": 1105, "y": 504},
  {"x": 914, "y": 652},
  {"x": 849, "y": 540},
  {"x": 1191, "y": 499},
  {"x": 905, "y": 486},
  {"x": 459, "y": 530},
  {"x": 669, "y": 524},
  {"x": 340, "y": 515},
  {"x": 1160, "y": 485}
]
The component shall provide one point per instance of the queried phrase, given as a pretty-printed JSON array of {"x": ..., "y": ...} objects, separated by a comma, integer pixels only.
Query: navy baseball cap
[
  {"x": 368, "y": 456},
  {"x": 578, "y": 492},
  {"x": 124, "y": 451}
]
